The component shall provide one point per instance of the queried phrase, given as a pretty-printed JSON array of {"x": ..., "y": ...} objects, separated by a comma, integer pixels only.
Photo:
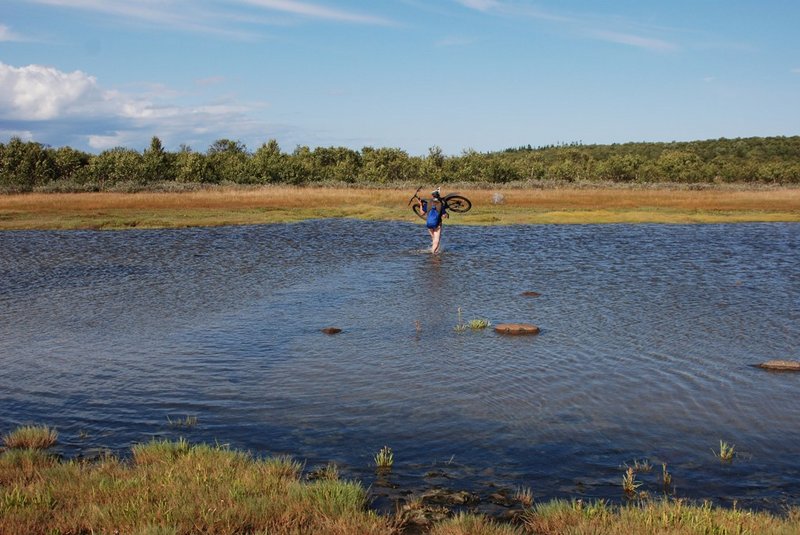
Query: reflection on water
[{"x": 648, "y": 334}]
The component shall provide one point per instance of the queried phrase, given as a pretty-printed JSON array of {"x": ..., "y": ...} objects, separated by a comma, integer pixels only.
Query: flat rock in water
[
  {"x": 782, "y": 365},
  {"x": 331, "y": 330},
  {"x": 516, "y": 328},
  {"x": 531, "y": 294}
]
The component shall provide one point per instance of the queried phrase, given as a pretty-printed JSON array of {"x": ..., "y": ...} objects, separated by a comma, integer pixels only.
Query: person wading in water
[{"x": 434, "y": 212}]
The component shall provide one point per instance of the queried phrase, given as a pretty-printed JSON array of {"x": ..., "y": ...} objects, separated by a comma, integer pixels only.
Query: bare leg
[{"x": 436, "y": 235}]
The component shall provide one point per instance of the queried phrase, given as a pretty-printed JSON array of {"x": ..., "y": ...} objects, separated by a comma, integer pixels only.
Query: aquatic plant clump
[
  {"x": 478, "y": 324},
  {"x": 726, "y": 452},
  {"x": 384, "y": 459},
  {"x": 629, "y": 482},
  {"x": 189, "y": 421}
]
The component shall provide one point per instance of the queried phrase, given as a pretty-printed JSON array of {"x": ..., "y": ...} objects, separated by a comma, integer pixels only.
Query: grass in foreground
[
  {"x": 172, "y": 487},
  {"x": 178, "y": 488},
  {"x": 34, "y": 437},
  {"x": 276, "y": 204},
  {"x": 659, "y": 517}
]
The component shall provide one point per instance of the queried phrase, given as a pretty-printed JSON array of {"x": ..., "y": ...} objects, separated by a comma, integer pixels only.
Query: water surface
[{"x": 648, "y": 337}]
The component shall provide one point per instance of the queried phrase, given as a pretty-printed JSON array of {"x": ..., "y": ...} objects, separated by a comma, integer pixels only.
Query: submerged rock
[
  {"x": 503, "y": 497},
  {"x": 420, "y": 516},
  {"x": 449, "y": 497},
  {"x": 331, "y": 330},
  {"x": 781, "y": 365},
  {"x": 516, "y": 328}
]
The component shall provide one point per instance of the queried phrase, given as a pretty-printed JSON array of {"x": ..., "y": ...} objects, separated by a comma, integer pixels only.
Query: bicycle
[{"x": 451, "y": 203}]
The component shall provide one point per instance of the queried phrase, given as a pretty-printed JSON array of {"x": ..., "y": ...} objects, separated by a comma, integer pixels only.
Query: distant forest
[{"x": 29, "y": 166}]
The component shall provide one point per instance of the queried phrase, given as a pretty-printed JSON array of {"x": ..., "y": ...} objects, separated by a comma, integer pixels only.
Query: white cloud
[
  {"x": 44, "y": 102},
  {"x": 103, "y": 142},
  {"x": 37, "y": 92},
  {"x": 25, "y": 135}
]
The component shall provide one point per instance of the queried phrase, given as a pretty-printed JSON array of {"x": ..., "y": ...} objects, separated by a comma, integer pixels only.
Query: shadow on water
[{"x": 648, "y": 334}]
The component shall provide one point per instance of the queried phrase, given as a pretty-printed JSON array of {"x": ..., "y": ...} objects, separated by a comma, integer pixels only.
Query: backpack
[{"x": 434, "y": 218}]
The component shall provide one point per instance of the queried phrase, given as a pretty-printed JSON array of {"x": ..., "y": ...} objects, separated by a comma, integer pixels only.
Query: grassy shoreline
[
  {"x": 498, "y": 206},
  {"x": 176, "y": 487}
]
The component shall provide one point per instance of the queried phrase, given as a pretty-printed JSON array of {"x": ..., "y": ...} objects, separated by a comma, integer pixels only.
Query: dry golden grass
[
  {"x": 466, "y": 524},
  {"x": 179, "y": 489},
  {"x": 31, "y": 437},
  {"x": 235, "y": 206},
  {"x": 660, "y": 517}
]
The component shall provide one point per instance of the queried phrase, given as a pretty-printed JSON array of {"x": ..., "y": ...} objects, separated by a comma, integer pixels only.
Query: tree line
[{"x": 31, "y": 166}]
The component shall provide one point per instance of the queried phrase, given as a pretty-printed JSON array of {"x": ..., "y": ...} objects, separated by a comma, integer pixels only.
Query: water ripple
[{"x": 648, "y": 334}]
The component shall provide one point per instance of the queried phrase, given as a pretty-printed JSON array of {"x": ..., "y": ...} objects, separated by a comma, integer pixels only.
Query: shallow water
[{"x": 648, "y": 337}]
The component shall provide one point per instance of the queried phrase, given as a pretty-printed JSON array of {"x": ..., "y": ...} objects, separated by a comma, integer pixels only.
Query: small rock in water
[
  {"x": 781, "y": 365},
  {"x": 531, "y": 294},
  {"x": 516, "y": 328},
  {"x": 331, "y": 330}
]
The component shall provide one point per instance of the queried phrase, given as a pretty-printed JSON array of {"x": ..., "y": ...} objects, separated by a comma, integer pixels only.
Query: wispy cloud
[
  {"x": 177, "y": 15},
  {"x": 209, "y": 81},
  {"x": 638, "y": 41},
  {"x": 455, "y": 41},
  {"x": 6, "y": 35},
  {"x": 796, "y": 71},
  {"x": 608, "y": 29},
  {"x": 316, "y": 11},
  {"x": 480, "y": 5},
  {"x": 507, "y": 8},
  {"x": 228, "y": 19}
]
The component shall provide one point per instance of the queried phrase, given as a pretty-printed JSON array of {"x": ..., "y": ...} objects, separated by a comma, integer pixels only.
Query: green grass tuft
[
  {"x": 726, "y": 452},
  {"x": 189, "y": 421},
  {"x": 384, "y": 459},
  {"x": 477, "y": 324}
]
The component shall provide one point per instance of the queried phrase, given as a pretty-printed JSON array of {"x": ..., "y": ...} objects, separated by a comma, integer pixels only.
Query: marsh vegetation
[
  {"x": 173, "y": 487},
  {"x": 278, "y": 204}
]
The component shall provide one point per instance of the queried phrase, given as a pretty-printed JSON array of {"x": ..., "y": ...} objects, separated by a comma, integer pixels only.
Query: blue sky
[{"x": 459, "y": 74}]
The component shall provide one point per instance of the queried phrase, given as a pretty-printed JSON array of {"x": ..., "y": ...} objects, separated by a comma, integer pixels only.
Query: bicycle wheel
[
  {"x": 418, "y": 211},
  {"x": 457, "y": 203}
]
